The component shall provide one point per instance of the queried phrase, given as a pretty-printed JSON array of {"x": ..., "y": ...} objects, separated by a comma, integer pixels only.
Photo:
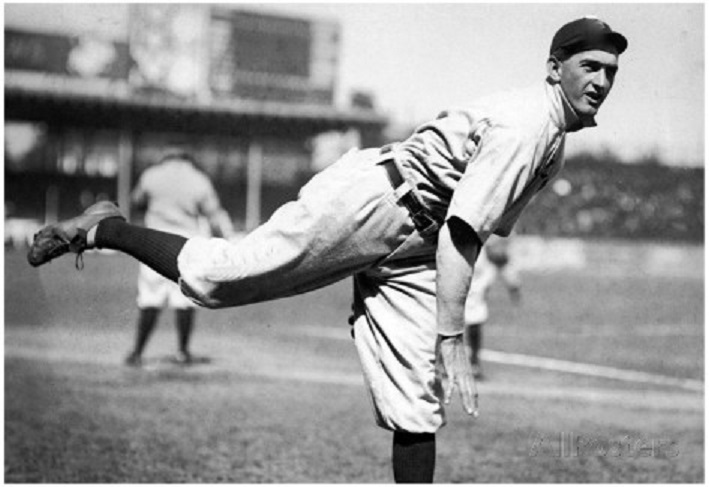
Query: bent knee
[
  {"x": 205, "y": 300},
  {"x": 217, "y": 295}
]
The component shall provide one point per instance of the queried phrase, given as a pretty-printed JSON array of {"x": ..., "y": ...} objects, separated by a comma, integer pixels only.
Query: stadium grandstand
[
  {"x": 252, "y": 96},
  {"x": 598, "y": 197}
]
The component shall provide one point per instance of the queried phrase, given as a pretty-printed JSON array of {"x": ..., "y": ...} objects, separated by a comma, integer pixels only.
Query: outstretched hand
[{"x": 456, "y": 372}]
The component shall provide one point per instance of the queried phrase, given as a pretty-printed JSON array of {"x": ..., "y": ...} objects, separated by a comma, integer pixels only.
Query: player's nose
[{"x": 601, "y": 82}]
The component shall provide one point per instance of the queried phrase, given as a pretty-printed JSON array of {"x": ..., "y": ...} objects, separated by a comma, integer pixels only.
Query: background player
[
  {"x": 493, "y": 262},
  {"x": 177, "y": 197}
]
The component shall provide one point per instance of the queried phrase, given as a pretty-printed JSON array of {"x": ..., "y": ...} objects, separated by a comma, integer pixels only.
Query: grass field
[{"x": 282, "y": 399}]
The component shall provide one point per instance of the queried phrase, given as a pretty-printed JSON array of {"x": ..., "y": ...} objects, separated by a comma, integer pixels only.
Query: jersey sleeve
[
  {"x": 445, "y": 138},
  {"x": 493, "y": 179}
]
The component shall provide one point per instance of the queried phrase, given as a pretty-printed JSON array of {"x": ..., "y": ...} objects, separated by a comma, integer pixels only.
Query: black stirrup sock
[
  {"x": 158, "y": 250},
  {"x": 414, "y": 457},
  {"x": 184, "y": 320},
  {"x": 147, "y": 319}
]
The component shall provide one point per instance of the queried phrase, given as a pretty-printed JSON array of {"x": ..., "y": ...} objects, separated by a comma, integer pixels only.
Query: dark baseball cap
[{"x": 586, "y": 34}]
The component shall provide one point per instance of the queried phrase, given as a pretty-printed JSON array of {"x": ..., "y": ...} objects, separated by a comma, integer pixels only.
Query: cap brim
[{"x": 618, "y": 40}]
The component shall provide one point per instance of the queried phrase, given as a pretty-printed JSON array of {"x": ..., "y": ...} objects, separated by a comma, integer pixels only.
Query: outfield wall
[{"x": 537, "y": 254}]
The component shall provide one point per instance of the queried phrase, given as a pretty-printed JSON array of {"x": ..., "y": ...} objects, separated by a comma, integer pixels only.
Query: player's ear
[{"x": 554, "y": 69}]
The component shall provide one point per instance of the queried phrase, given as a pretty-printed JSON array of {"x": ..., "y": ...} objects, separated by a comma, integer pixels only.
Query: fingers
[
  {"x": 447, "y": 390},
  {"x": 469, "y": 394},
  {"x": 454, "y": 371},
  {"x": 476, "y": 411},
  {"x": 474, "y": 391}
]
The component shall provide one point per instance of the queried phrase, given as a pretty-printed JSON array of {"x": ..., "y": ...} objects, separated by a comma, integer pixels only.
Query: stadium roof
[{"x": 112, "y": 104}]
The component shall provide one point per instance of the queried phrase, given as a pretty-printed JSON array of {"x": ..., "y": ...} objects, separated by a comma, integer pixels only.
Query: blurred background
[{"x": 265, "y": 96}]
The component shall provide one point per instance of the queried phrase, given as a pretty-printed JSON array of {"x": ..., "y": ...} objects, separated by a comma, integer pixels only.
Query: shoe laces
[{"x": 78, "y": 245}]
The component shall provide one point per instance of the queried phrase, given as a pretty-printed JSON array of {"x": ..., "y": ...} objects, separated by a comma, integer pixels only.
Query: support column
[
  {"x": 125, "y": 170},
  {"x": 254, "y": 166}
]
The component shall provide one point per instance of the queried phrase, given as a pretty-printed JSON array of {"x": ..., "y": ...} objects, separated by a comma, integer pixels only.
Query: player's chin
[
  {"x": 592, "y": 106},
  {"x": 588, "y": 111}
]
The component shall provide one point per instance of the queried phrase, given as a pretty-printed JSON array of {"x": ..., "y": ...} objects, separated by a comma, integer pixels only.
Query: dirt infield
[{"x": 281, "y": 398}]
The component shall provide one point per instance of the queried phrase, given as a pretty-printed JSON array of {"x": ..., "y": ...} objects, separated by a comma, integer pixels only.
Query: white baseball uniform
[{"x": 481, "y": 165}]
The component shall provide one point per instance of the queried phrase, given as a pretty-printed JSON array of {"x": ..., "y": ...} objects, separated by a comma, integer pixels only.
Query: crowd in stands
[
  {"x": 595, "y": 196},
  {"x": 598, "y": 197}
]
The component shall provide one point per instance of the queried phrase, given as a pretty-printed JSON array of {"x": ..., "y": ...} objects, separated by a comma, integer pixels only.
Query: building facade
[{"x": 250, "y": 95}]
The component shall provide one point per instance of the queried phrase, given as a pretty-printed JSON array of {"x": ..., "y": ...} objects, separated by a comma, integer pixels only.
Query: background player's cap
[
  {"x": 585, "y": 34},
  {"x": 177, "y": 152}
]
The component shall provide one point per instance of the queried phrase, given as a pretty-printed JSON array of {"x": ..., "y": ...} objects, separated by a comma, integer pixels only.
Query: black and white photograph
[{"x": 354, "y": 243}]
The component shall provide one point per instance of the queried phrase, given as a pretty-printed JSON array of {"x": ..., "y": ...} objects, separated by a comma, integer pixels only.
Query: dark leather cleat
[
  {"x": 183, "y": 358},
  {"x": 133, "y": 360},
  {"x": 69, "y": 235}
]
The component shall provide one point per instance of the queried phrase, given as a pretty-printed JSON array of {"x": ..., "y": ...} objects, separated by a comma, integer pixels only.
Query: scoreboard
[{"x": 268, "y": 57}]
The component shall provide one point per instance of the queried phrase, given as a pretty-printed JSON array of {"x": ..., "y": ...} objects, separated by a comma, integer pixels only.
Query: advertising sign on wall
[
  {"x": 267, "y": 57},
  {"x": 168, "y": 46},
  {"x": 76, "y": 56}
]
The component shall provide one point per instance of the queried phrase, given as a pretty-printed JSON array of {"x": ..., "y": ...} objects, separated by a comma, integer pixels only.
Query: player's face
[{"x": 586, "y": 79}]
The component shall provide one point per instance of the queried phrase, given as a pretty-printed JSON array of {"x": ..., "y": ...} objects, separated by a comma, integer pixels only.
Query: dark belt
[{"x": 423, "y": 220}]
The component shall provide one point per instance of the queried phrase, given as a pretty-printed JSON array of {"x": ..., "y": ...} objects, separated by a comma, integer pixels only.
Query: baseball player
[
  {"x": 177, "y": 197},
  {"x": 493, "y": 262},
  {"x": 407, "y": 221}
]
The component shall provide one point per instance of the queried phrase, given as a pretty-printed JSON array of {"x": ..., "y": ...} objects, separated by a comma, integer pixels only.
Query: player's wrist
[
  {"x": 450, "y": 333},
  {"x": 451, "y": 324}
]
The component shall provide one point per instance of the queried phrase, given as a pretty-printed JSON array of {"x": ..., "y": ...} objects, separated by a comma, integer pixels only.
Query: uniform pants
[{"x": 346, "y": 221}]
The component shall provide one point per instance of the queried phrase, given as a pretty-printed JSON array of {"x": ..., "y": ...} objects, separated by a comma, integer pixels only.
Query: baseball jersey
[
  {"x": 484, "y": 163},
  {"x": 176, "y": 195}
]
